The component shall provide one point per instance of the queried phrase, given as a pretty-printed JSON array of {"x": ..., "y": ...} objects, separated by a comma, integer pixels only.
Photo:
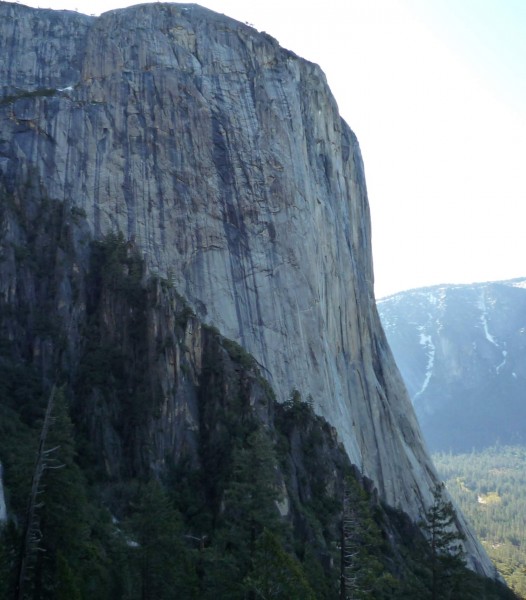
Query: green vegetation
[
  {"x": 447, "y": 557},
  {"x": 158, "y": 563},
  {"x": 167, "y": 544},
  {"x": 39, "y": 93},
  {"x": 361, "y": 566},
  {"x": 260, "y": 501},
  {"x": 490, "y": 488}
]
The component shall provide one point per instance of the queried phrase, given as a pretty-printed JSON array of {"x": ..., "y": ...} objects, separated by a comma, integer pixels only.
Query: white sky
[{"x": 436, "y": 92}]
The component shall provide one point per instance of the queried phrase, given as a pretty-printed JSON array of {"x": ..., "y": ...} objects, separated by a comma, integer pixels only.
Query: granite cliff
[{"x": 223, "y": 159}]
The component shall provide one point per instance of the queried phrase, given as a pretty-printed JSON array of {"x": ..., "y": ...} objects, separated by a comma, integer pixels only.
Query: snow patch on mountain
[
  {"x": 427, "y": 342},
  {"x": 519, "y": 283},
  {"x": 499, "y": 366},
  {"x": 482, "y": 305},
  {"x": 489, "y": 337}
]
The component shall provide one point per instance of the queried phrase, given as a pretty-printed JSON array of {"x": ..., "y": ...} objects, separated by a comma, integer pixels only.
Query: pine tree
[
  {"x": 447, "y": 554},
  {"x": 250, "y": 498},
  {"x": 359, "y": 540},
  {"x": 4, "y": 563},
  {"x": 276, "y": 574},
  {"x": 32, "y": 534},
  {"x": 57, "y": 549},
  {"x": 67, "y": 587},
  {"x": 248, "y": 508},
  {"x": 161, "y": 566},
  {"x": 63, "y": 515}
]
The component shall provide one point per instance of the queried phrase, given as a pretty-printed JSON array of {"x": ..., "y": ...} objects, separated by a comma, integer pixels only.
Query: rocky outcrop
[
  {"x": 460, "y": 350},
  {"x": 223, "y": 158}
]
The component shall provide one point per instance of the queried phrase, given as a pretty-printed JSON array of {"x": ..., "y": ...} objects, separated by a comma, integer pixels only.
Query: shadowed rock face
[
  {"x": 224, "y": 158},
  {"x": 2, "y": 499}
]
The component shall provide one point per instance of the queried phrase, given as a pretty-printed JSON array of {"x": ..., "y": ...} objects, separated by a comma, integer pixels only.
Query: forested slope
[{"x": 256, "y": 496}]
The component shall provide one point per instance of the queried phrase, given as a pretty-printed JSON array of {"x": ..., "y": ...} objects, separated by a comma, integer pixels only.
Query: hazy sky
[{"x": 436, "y": 92}]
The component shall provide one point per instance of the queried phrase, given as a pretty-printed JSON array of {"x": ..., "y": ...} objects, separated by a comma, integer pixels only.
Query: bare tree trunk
[{"x": 31, "y": 535}]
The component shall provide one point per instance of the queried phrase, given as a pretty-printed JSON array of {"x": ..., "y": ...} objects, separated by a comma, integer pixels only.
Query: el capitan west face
[{"x": 223, "y": 158}]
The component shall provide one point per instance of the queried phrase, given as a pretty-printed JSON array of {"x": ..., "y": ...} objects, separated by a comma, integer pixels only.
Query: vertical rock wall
[{"x": 224, "y": 158}]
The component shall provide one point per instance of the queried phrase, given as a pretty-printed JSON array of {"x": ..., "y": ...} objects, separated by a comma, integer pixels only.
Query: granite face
[{"x": 224, "y": 158}]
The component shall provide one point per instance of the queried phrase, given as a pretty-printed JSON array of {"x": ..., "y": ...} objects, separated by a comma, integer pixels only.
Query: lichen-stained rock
[{"x": 224, "y": 158}]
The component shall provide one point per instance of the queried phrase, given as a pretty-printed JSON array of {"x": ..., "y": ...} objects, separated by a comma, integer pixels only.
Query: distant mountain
[{"x": 461, "y": 350}]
